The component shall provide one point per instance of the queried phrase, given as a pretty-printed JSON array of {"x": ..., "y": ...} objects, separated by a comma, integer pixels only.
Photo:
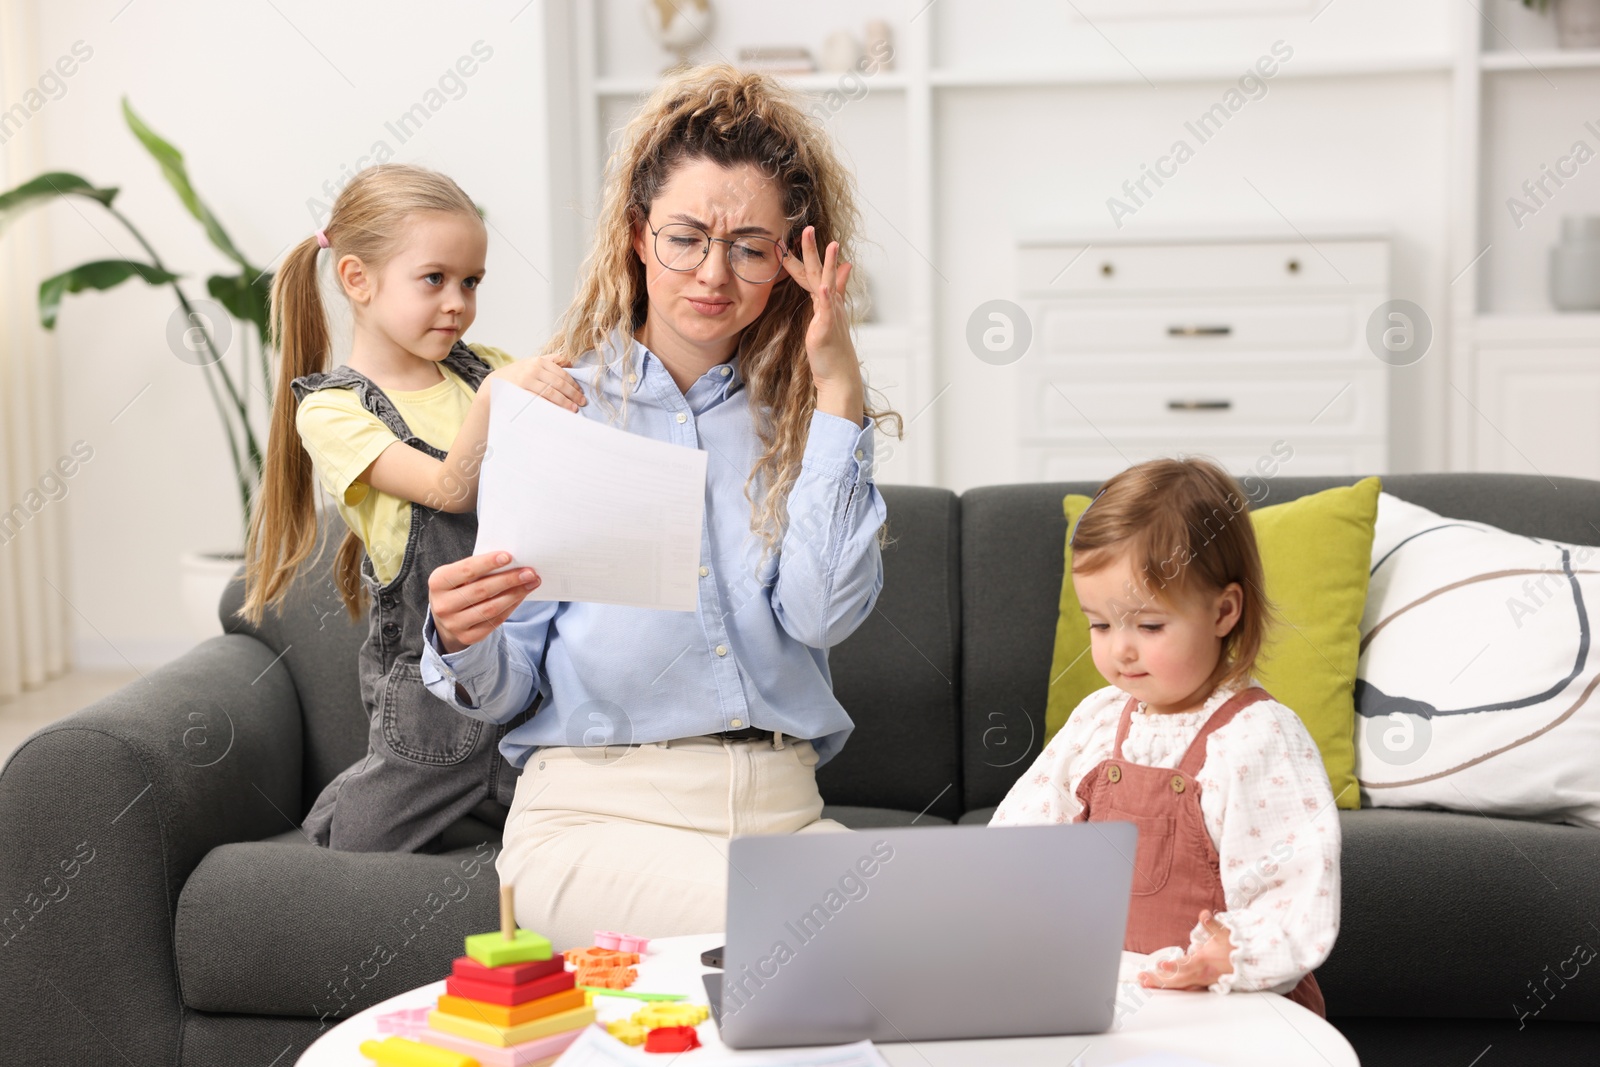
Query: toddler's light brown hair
[{"x": 1185, "y": 526}]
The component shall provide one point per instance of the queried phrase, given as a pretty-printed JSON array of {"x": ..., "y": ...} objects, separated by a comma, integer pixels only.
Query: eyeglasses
[{"x": 681, "y": 247}]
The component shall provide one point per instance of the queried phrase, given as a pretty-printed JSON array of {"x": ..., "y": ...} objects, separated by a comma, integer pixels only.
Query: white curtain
[{"x": 34, "y": 619}]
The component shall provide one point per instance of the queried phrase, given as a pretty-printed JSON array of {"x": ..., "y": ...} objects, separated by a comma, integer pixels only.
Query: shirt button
[
  {"x": 737, "y": 723},
  {"x": 726, "y": 371},
  {"x": 861, "y": 454},
  {"x": 632, "y": 378},
  {"x": 682, "y": 417},
  {"x": 722, "y": 650},
  {"x": 704, "y": 571}
]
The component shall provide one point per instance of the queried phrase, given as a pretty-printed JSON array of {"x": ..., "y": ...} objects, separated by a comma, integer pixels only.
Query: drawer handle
[
  {"x": 1199, "y": 405},
  {"x": 1199, "y": 331}
]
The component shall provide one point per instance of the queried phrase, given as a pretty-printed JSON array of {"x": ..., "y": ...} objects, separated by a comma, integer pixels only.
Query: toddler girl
[
  {"x": 1236, "y": 877},
  {"x": 395, "y": 435}
]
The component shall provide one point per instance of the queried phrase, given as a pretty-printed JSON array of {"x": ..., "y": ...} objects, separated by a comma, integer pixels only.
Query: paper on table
[
  {"x": 602, "y": 515},
  {"x": 596, "y": 1048}
]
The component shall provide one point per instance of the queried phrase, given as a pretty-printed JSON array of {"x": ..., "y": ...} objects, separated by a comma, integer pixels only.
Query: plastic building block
[
  {"x": 671, "y": 1039},
  {"x": 622, "y": 942},
  {"x": 509, "y": 995},
  {"x": 607, "y": 977},
  {"x": 596, "y": 991},
  {"x": 509, "y": 974},
  {"x": 506, "y": 1036},
  {"x": 654, "y": 1015},
  {"x": 402, "y": 1052},
  {"x": 496, "y": 950},
  {"x": 627, "y": 1031},
  {"x": 511, "y": 1015},
  {"x": 534, "y": 1053},
  {"x": 406, "y": 1022},
  {"x": 595, "y": 956}
]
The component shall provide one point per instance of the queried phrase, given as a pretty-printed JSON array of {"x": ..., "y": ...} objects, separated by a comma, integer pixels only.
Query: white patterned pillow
[{"x": 1475, "y": 689}]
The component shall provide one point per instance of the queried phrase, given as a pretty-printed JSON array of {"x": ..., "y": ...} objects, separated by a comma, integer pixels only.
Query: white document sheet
[{"x": 603, "y": 515}]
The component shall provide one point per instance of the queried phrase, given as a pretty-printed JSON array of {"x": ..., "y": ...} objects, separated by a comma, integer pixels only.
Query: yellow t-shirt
[{"x": 343, "y": 438}]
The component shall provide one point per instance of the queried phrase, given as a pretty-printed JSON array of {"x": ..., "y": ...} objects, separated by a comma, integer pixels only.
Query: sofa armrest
[{"x": 102, "y": 818}]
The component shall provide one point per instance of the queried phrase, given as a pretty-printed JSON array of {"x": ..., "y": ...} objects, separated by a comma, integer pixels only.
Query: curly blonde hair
[{"x": 728, "y": 117}]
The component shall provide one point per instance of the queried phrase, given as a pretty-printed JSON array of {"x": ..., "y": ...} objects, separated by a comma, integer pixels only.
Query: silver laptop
[{"x": 923, "y": 933}]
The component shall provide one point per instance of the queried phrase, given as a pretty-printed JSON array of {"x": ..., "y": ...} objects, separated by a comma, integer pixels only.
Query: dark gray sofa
[{"x": 164, "y": 910}]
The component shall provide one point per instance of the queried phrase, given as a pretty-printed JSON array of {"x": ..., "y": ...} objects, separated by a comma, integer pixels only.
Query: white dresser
[{"x": 1248, "y": 348}]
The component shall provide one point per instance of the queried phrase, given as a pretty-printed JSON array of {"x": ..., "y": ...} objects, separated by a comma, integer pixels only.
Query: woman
[{"x": 713, "y": 315}]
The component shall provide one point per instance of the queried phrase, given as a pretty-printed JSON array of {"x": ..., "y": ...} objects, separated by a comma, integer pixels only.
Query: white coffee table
[{"x": 1239, "y": 1030}]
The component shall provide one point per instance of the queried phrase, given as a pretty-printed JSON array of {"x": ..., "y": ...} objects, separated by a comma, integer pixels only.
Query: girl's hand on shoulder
[
  {"x": 1202, "y": 966},
  {"x": 543, "y": 376},
  {"x": 834, "y": 367}
]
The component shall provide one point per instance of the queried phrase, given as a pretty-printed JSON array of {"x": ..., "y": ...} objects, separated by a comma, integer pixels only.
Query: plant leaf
[
  {"x": 99, "y": 274},
  {"x": 247, "y": 296},
  {"x": 177, "y": 175},
  {"x": 47, "y": 187}
]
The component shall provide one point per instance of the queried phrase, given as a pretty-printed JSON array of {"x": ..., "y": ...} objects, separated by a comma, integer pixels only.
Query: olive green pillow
[{"x": 1317, "y": 554}]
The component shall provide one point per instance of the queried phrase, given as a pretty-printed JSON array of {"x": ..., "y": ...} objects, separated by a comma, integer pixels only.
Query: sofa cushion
[
  {"x": 873, "y": 818},
  {"x": 1453, "y": 916},
  {"x": 282, "y": 927},
  {"x": 1477, "y": 670},
  {"x": 897, "y": 674},
  {"x": 317, "y": 641}
]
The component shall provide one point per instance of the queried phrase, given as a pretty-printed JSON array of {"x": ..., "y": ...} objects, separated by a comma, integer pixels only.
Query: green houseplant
[{"x": 243, "y": 296}]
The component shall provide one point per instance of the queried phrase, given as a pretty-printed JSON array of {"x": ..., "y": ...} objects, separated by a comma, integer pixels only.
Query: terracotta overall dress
[{"x": 1176, "y": 871}]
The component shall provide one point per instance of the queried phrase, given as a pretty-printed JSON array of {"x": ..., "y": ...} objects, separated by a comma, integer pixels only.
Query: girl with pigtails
[{"x": 395, "y": 435}]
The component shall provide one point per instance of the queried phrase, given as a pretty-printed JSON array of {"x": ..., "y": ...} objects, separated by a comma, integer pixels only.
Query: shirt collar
[{"x": 728, "y": 375}]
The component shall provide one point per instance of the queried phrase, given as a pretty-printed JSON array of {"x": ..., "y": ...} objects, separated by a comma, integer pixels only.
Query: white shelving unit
[
  {"x": 1527, "y": 378},
  {"x": 1230, "y": 344}
]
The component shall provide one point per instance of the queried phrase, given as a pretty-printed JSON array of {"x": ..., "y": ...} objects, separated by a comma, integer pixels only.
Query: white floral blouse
[{"x": 1265, "y": 801}]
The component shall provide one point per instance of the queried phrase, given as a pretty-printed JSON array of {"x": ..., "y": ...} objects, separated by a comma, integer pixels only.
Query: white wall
[{"x": 268, "y": 102}]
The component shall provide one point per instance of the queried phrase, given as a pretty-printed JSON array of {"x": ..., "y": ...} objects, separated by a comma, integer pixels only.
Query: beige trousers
[{"x": 635, "y": 839}]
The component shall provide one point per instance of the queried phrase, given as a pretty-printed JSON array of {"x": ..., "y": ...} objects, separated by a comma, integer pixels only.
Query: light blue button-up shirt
[{"x": 753, "y": 653}]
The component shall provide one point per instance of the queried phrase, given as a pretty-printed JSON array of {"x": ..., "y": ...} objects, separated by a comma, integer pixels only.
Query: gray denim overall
[{"x": 427, "y": 765}]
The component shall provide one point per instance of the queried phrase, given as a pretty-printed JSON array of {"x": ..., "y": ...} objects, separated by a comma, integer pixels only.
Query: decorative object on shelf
[
  {"x": 880, "y": 42},
  {"x": 679, "y": 26},
  {"x": 1577, "y": 21},
  {"x": 840, "y": 52},
  {"x": 868, "y": 306},
  {"x": 1575, "y": 265},
  {"x": 777, "y": 59}
]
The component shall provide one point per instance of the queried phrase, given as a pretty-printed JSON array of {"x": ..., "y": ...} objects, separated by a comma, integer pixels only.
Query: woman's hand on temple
[
  {"x": 1202, "y": 966},
  {"x": 835, "y": 370},
  {"x": 469, "y": 599},
  {"x": 543, "y": 376}
]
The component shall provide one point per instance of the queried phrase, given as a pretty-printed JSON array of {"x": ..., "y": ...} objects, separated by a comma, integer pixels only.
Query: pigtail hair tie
[{"x": 322, "y": 238}]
